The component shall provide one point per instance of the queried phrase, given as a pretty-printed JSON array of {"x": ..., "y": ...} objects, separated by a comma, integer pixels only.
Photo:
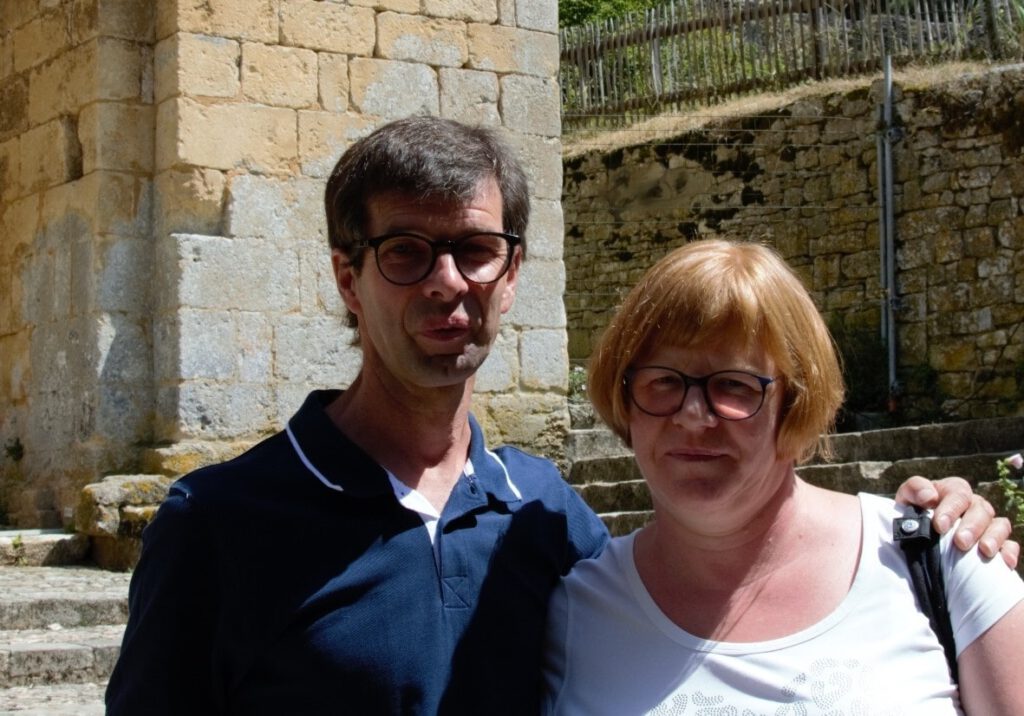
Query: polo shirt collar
[
  {"x": 488, "y": 469},
  {"x": 342, "y": 466}
]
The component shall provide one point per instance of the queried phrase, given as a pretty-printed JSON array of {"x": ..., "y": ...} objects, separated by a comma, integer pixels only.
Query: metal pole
[{"x": 888, "y": 233}]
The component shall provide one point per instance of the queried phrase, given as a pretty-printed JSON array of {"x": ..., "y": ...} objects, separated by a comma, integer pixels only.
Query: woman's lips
[{"x": 695, "y": 454}]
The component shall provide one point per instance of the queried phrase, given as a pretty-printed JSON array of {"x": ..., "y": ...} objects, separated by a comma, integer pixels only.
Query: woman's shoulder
[{"x": 610, "y": 569}]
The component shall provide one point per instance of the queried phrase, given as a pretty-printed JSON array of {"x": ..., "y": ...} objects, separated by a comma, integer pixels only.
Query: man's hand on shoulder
[{"x": 952, "y": 498}]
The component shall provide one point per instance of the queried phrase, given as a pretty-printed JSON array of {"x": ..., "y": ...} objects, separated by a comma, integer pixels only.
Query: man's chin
[{"x": 454, "y": 369}]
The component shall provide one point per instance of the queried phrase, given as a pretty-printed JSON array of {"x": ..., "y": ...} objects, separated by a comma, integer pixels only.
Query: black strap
[{"x": 920, "y": 544}]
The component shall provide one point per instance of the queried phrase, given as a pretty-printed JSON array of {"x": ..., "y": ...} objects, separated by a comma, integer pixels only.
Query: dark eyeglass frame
[
  {"x": 439, "y": 247},
  {"x": 699, "y": 381}
]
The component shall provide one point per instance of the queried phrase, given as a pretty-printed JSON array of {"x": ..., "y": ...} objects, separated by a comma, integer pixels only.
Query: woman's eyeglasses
[{"x": 729, "y": 394}]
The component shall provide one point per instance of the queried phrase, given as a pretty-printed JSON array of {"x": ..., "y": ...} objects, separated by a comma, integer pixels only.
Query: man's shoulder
[
  {"x": 528, "y": 471},
  {"x": 514, "y": 456},
  {"x": 538, "y": 480},
  {"x": 263, "y": 462}
]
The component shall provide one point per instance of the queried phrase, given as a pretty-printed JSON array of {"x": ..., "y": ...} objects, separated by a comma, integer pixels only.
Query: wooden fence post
[{"x": 995, "y": 46}]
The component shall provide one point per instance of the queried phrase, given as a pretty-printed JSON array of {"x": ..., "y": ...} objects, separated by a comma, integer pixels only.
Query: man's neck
[{"x": 422, "y": 439}]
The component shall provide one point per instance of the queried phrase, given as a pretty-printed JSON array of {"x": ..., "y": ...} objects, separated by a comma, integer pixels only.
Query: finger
[
  {"x": 975, "y": 522},
  {"x": 955, "y": 498},
  {"x": 1011, "y": 553},
  {"x": 917, "y": 490},
  {"x": 994, "y": 536}
]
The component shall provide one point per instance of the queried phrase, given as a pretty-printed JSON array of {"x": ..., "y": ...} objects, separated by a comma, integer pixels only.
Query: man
[{"x": 375, "y": 557}]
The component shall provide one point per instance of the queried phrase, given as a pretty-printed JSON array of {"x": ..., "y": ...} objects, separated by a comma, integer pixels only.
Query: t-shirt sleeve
[
  {"x": 979, "y": 591},
  {"x": 555, "y": 638}
]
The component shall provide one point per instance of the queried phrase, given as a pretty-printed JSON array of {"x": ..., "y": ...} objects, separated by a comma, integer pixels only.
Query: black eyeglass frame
[
  {"x": 702, "y": 383},
  {"x": 439, "y": 247}
]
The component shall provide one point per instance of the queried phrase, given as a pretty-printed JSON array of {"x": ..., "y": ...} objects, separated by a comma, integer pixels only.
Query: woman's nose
[{"x": 695, "y": 409}]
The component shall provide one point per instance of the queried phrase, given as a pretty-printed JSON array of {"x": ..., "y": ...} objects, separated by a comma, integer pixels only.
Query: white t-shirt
[{"x": 611, "y": 650}]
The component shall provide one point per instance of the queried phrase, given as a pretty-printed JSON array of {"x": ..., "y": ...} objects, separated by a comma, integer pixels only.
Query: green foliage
[
  {"x": 1012, "y": 487},
  {"x": 922, "y": 396},
  {"x": 578, "y": 384},
  {"x": 1010, "y": 28},
  {"x": 18, "y": 550},
  {"x": 577, "y": 12},
  {"x": 865, "y": 368}
]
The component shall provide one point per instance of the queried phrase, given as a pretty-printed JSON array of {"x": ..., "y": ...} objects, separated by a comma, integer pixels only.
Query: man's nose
[{"x": 444, "y": 279}]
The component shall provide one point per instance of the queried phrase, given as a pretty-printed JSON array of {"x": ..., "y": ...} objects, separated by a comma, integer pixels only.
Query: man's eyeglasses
[
  {"x": 729, "y": 394},
  {"x": 405, "y": 259}
]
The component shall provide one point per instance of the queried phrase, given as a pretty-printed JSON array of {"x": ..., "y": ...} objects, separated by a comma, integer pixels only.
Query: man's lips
[{"x": 446, "y": 331}]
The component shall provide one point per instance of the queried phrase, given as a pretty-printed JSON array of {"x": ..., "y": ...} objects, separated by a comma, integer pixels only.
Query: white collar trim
[{"x": 306, "y": 461}]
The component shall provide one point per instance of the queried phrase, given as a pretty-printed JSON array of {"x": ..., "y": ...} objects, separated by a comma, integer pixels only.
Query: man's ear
[
  {"x": 345, "y": 280},
  {"x": 508, "y": 293}
]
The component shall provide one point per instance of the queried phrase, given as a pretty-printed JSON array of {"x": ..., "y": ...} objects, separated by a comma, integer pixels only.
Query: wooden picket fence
[{"x": 688, "y": 53}]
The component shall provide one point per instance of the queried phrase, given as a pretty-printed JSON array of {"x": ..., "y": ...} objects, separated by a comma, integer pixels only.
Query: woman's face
[{"x": 709, "y": 473}]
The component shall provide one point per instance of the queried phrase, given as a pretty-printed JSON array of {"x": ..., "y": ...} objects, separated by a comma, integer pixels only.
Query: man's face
[{"x": 436, "y": 332}]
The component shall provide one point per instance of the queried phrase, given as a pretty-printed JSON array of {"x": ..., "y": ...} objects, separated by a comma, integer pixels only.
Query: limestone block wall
[
  {"x": 76, "y": 153},
  {"x": 192, "y": 173},
  {"x": 804, "y": 178}
]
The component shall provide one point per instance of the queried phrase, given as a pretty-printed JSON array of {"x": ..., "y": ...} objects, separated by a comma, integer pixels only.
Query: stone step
[
  {"x": 998, "y": 436},
  {"x": 37, "y": 597},
  {"x": 968, "y": 437},
  {"x": 53, "y": 700},
  {"x": 884, "y": 477},
  {"x": 38, "y": 547},
  {"x": 603, "y": 470},
  {"x": 613, "y": 486},
  {"x": 589, "y": 443},
  {"x": 59, "y": 655},
  {"x": 612, "y": 497}
]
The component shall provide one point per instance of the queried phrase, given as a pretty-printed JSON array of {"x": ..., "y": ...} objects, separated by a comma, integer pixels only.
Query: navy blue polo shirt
[{"x": 291, "y": 580}]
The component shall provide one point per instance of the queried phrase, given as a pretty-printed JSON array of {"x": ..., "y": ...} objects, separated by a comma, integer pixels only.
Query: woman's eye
[{"x": 666, "y": 382}]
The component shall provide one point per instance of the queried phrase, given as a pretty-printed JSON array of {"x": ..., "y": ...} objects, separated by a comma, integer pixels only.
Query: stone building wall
[
  {"x": 804, "y": 178},
  {"x": 76, "y": 158},
  {"x": 166, "y": 296}
]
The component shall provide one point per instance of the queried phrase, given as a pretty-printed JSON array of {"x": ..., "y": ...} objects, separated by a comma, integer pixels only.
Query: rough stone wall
[
  {"x": 190, "y": 142},
  {"x": 804, "y": 178}
]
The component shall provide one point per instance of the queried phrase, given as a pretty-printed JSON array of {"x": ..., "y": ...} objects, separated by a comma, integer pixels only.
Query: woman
[{"x": 753, "y": 592}]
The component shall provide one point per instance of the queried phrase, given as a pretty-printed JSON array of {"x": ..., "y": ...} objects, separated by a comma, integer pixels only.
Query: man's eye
[
  {"x": 482, "y": 249},
  {"x": 403, "y": 249}
]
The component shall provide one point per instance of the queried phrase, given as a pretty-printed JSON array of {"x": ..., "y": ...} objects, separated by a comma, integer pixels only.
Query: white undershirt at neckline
[{"x": 412, "y": 499}]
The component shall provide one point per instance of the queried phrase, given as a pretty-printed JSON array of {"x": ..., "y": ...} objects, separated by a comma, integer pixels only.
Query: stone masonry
[
  {"x": 803, "y": 177},
  {"x": 166, "y": 296}
]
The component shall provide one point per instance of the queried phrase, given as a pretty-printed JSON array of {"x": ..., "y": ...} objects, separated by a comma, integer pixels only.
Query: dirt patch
[{"x": 674, "y": 123}]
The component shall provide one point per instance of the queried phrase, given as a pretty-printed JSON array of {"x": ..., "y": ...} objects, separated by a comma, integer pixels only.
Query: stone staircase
[
  {"x": 61, "y": 626},
  {"x": 603, "y": 471}
]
